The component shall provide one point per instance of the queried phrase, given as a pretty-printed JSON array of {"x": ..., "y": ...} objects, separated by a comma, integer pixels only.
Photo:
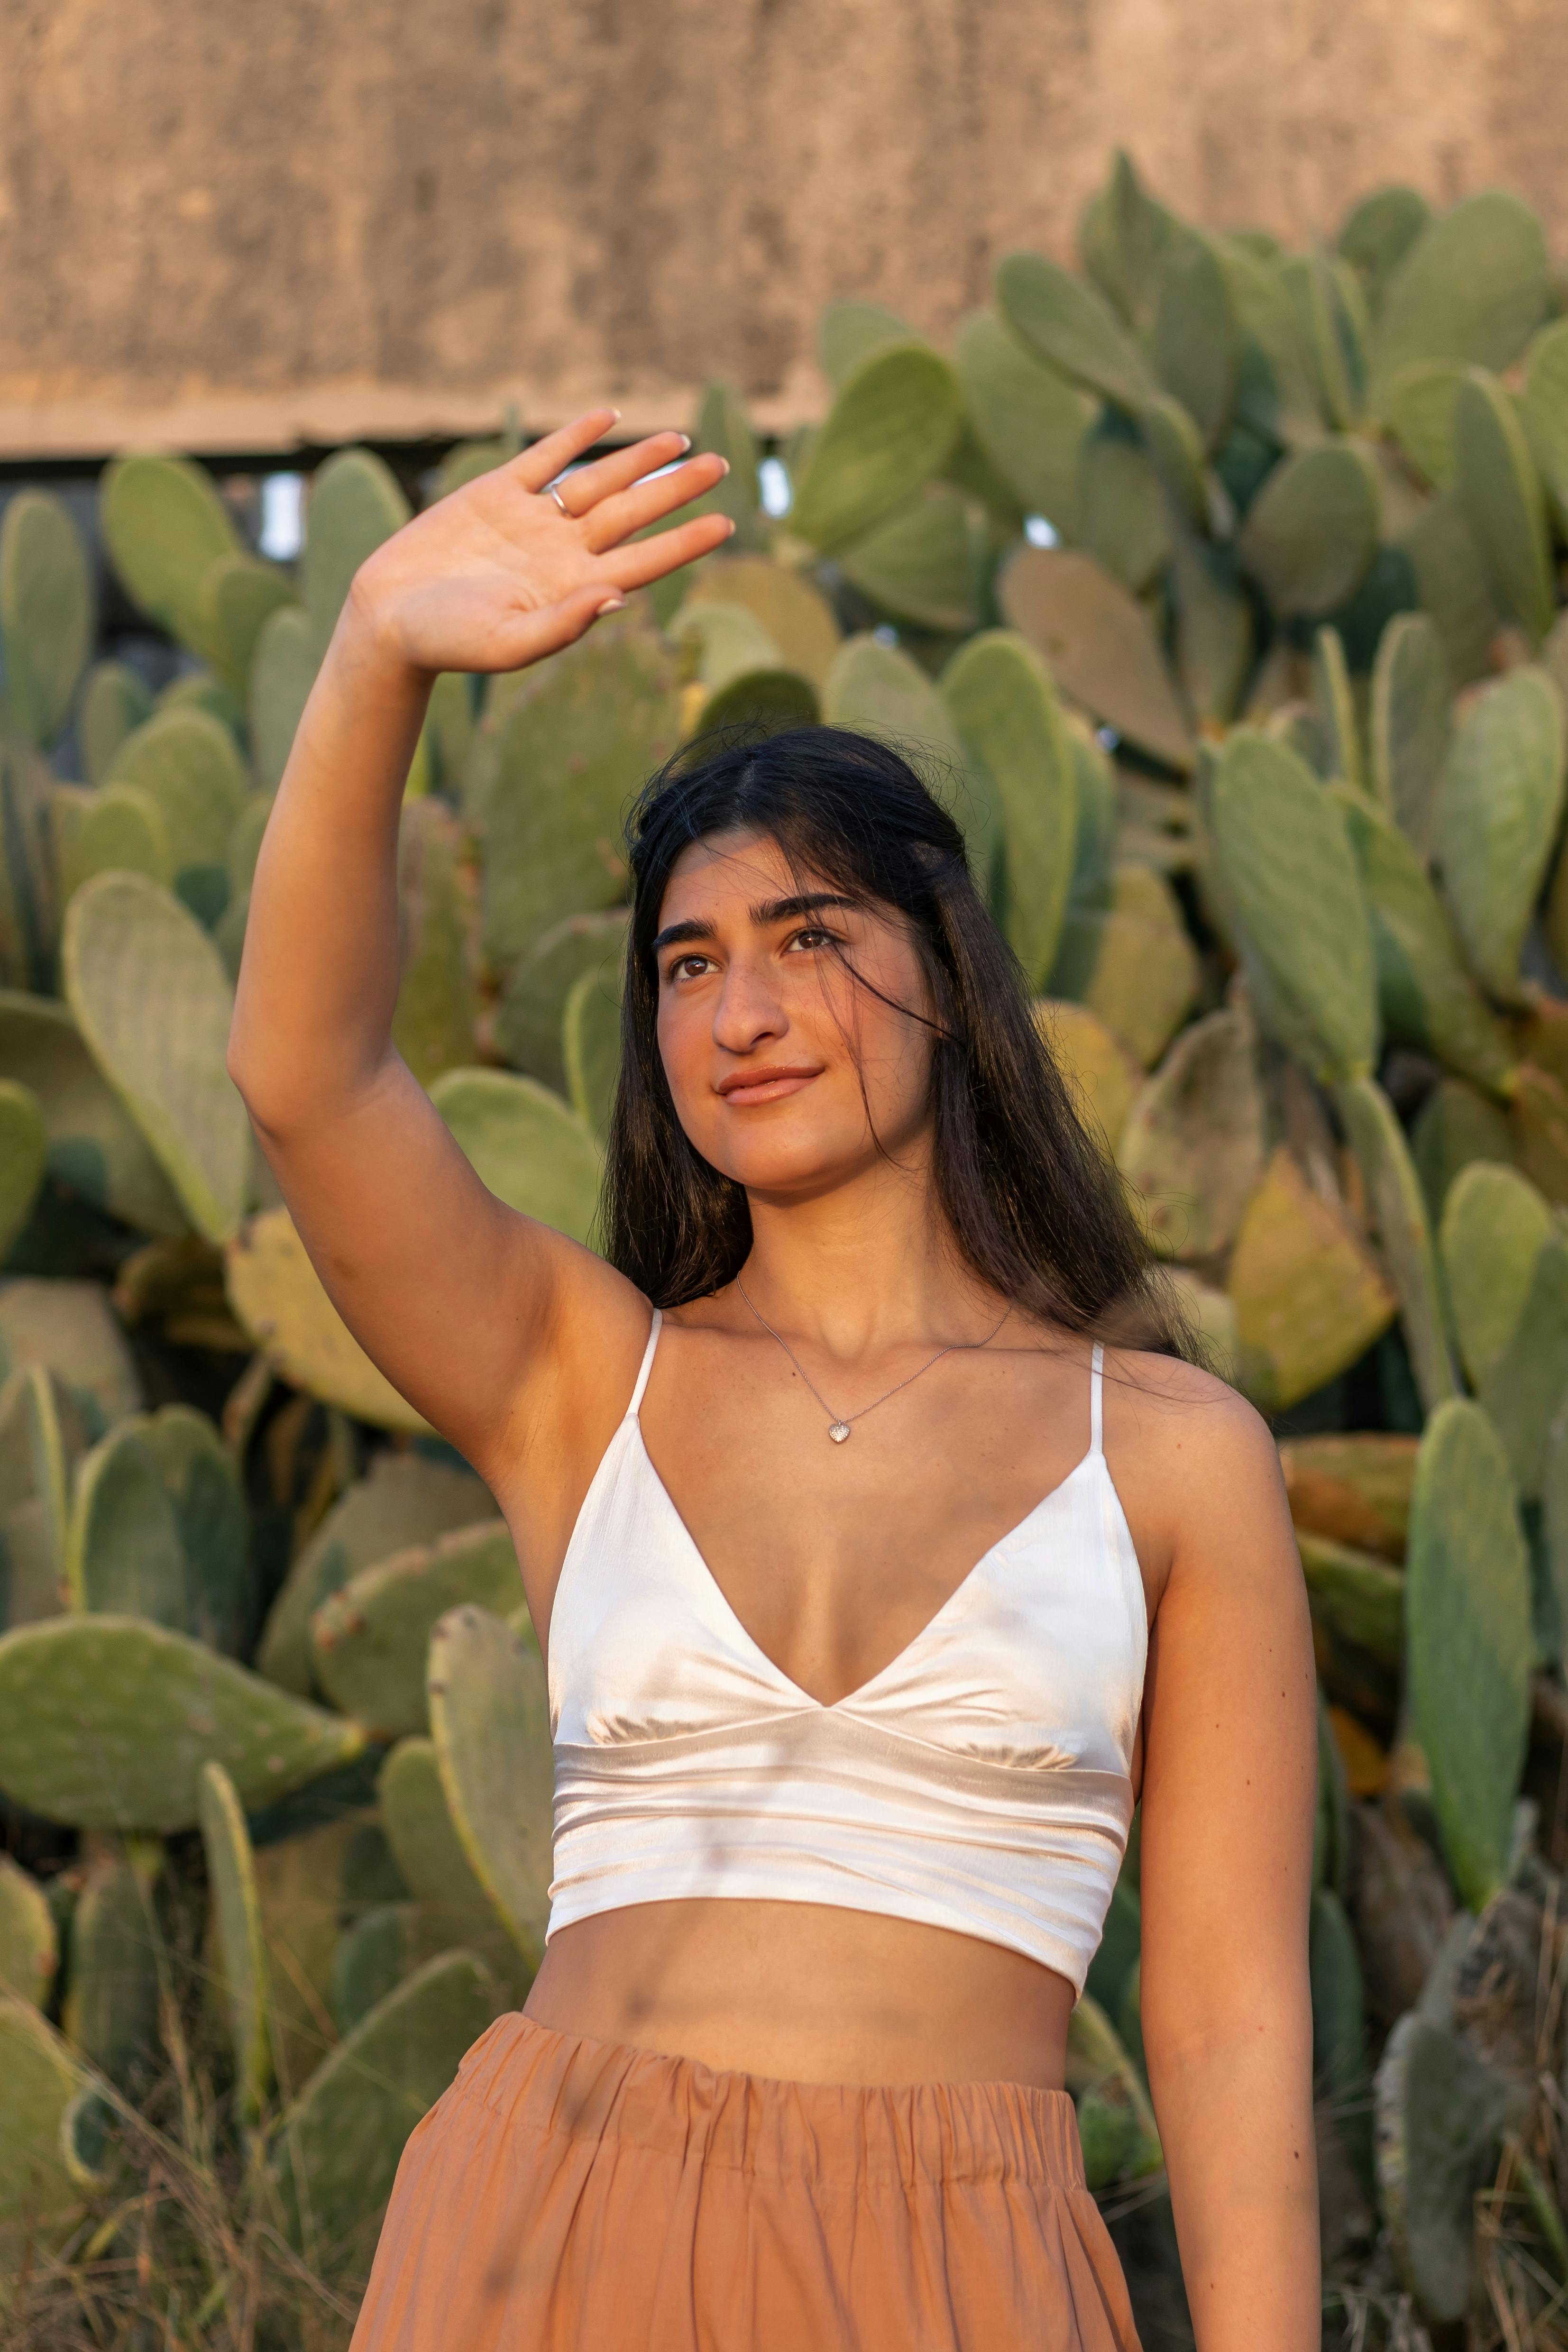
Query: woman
[{"x": 849, "y": 1514}]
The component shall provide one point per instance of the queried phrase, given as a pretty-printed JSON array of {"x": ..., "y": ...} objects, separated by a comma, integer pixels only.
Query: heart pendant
[{"x": 839, "y": 1431}]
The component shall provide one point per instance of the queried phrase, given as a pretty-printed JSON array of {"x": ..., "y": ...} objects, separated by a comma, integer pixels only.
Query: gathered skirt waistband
[{"x": 566, "y": 2193}]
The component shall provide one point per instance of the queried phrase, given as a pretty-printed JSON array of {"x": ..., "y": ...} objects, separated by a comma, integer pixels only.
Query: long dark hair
[{"x": 1031, "y": 1204}]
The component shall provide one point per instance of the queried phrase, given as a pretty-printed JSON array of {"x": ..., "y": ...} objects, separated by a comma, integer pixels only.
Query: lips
[{"x": 766, "y": 1085}]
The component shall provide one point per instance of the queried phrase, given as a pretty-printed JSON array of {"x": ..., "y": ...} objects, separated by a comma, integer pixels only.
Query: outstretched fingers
[
  {"x": 540, "y": 463},
  {"x": 619, "y": 468},
  {"x": 651, "y": 558},
  {"x": 616, "y": 518}
]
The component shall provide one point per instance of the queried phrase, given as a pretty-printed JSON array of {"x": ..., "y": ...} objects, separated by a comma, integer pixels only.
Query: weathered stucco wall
[{"x": 232, "y": 225}]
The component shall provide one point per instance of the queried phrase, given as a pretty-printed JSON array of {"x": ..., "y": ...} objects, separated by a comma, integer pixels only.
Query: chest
[{"x": 834, "y": 1557}]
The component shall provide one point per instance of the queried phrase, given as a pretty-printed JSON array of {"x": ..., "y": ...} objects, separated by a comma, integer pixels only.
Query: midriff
[{"x": 805, "y": 1994}]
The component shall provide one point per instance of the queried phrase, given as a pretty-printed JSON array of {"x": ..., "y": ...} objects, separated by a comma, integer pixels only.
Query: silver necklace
[{"x": 839, "y": 1425}]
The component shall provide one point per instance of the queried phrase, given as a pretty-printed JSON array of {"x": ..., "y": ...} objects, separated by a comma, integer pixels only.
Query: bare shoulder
[{"x": 1195, "y": 1466}]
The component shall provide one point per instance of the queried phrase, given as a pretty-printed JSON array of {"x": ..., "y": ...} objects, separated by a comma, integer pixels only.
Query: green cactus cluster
[{"x": 1219, "y": 589}]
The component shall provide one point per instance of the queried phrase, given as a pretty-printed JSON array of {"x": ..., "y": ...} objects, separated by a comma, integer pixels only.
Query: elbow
[{"x": 259, "y": 1089}]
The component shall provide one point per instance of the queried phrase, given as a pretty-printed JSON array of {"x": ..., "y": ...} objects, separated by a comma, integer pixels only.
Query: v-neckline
[{"x": 862, "y": 1690}]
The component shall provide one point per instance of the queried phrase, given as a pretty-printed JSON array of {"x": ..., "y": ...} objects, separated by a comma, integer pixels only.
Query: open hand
[{"x": 502, "y": 572}]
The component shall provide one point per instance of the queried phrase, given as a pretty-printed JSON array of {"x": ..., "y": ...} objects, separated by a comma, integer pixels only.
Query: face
[{"x": 773, "y": 1050}]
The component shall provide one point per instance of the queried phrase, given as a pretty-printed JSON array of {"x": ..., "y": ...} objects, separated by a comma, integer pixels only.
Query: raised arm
[
  {"x": 456, "y": 1298},
  {"x": 1229, "y": 1788}
]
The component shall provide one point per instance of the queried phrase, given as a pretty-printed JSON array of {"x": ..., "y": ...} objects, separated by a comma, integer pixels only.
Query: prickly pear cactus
[
  {"x": 106, "y": 1721},
  {"x": 1467, "y": 1618},
  {"x": 237, "y": 1920},
  {"x": 29, "y": 1940},
  {"x": 371, "y": 1638},
  {"x": 150, "y": 996},
  {"x": 46, "y": 611},
  {"x": 334, "y": 2152},
  {"x": 489, "y": 1718}
]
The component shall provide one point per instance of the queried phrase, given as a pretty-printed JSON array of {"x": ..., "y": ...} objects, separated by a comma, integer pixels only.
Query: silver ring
[{"x": 561, "y": 503}]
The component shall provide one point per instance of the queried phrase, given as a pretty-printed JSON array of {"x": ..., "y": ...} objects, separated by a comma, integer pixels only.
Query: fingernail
[
  {"x": 684, "y": 439},
  {"x": 723, "y": 465},
  {"x": 611, "y": 604}
]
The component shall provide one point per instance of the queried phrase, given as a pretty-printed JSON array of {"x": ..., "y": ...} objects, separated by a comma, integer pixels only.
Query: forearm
[
  {"x": 318, "y": 985},
  {"x": 1235, "y": 2113}
]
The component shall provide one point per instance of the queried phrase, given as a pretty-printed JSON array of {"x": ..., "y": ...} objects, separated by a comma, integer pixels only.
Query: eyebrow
[{"x": 766, "y": 910}]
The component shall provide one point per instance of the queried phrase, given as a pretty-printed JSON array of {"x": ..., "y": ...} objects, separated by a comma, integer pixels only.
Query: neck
[{"x": 865, "y": 1265}]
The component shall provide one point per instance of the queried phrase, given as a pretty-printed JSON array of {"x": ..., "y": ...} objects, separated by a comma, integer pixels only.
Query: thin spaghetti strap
[
  {"x": 1096, "y": 1383},
  {"x": 646, "y": 1365}
]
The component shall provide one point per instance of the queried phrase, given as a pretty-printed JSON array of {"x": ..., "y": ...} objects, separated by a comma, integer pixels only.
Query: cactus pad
[
  {"x": 114, "y": 703},
  {"x": 40, "y": 1439},
  {"x": 70, "y": 1328},
  {"x": 489, "y": 1718},
  {"x": 1029, "y": 419},
  {"x": 239, "y": 594},
  {"x": 1399, "y": 1215},
  {"x": 152, "y": 1000},
  {"x": 1282, "y": 855},
  {"x": 571, "y": 750},
  {"x": 1503, "y": 501},
  {"x": 1545, "y": 411},
  {"x": 1425, "y": 997},
  {"x": 1525, "y": 1385},
  {"x": 165, "y": 525},
  {"x": 533, "y": 1002},
  {"x": 1468, "y": 1619},
  {"x": 336, "y": 2151},
  {"x": 1409, "y": 723},
  {"x": 124, "y": 1555},
  {"x": 276, "y": 1296},
  {"x": 433, "y": 1025},
  {"x": 282, "y": 672},
  {"x": 424, "y": 1838},
  {"x": 1308, "y": 1298},
  {"x": 42, "y": 2075},
  {"x": 1472, "y": 288},
  {"x": 1494, "y": 1224},
  {"x": 93, "y": 1147},
  {"x": 797, "y": 617},
  {"x": 1311, "y": 531},
  {"x": 122, "y": 827},
  {"x": 591, "y": 1048},
  {"x": 106, "y": 1721},
  {"x": 921, "y": 563},
  {"x": 371, "y": 1637},
  {"x": 24, "y": 1148},
  {"x": 355, "y": 504},
  {"x": 1193, "y": 1141},
  {"x": 403, "y": 1500},
  {"x": 1099, "y": 1073},
  {"x": 1100, "y": 647},
  {"x": 892, "y": 427},
  {"x": 30, "y": 1942},
  {"x": 110, "y": 2009},
  {"x": 1134, "y": 964},
  {"x": 1068, "y": 324},
  {"x": 46, "y": 611},
  {"x": 526, "y": 1145},
  {"x": 1499, "y": 797},
  {"x": 185, "y": 761},
  {"x": 1004, "y": 707},
  {"x": 236, "y": 1921}
]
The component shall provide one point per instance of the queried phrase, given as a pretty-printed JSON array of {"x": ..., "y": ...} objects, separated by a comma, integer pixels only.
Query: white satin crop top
[{"x": 980, "y": 1782}]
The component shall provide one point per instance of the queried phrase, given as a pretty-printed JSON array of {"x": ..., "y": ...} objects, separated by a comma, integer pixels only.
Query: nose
[{"x": 749, "y": 1012}]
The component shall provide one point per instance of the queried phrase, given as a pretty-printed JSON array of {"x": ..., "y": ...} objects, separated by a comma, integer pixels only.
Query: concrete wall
[{"x": 232, "y": 224}]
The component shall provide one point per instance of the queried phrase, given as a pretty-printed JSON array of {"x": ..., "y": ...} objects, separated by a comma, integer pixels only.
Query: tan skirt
[{"x": 571, "y": 2196}]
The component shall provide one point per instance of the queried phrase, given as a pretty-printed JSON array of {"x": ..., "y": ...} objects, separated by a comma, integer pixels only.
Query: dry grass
[{"x": 184, "y": 2250}]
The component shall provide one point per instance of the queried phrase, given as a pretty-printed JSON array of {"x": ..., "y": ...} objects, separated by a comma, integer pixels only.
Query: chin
[{"x": 782, "y": 1163}]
